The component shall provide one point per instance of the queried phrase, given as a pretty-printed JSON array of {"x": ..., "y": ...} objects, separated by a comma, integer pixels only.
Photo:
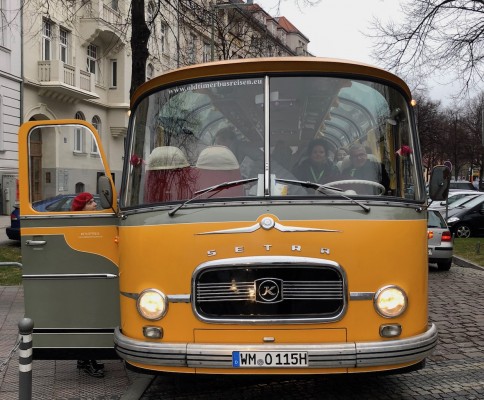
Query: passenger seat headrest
[
  {"x": 166, "y": 157},
  {"x": 217, "y": 158}
]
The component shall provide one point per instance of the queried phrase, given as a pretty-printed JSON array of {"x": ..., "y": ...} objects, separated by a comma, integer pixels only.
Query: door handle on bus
[{"x": 35, "y": 242}]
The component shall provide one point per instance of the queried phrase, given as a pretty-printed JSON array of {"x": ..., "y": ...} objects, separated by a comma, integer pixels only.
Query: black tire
[
  {"x": 463, "y": 231},
  {"x": 444, "y": 265}
]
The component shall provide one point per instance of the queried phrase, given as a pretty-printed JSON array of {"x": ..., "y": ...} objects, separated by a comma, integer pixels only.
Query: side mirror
[
  {"x": 105, "y": 192},
  {"x": 439, "y": 183}
]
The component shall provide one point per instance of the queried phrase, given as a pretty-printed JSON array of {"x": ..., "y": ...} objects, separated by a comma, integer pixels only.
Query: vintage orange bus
[{"x": 236, "y": 241}]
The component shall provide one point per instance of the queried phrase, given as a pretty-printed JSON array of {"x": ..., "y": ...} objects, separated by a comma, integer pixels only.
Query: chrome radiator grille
[{"x": 281, "y": 292}]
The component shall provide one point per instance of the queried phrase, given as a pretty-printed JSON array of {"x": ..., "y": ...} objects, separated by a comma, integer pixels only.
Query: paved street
[{"x": 455, "y": 371}]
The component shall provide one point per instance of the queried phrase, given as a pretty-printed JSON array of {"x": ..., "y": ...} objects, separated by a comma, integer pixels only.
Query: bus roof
[{"x": 270, "y": 65}]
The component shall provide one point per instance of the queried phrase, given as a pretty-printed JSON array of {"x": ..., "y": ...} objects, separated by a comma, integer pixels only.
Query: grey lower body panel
[{"x": 330, "y": 355}]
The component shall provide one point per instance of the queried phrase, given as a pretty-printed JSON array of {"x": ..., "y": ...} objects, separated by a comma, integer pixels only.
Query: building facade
[
  {"x": 77, "y": 59},
  {"x": 10, "y": 101}
]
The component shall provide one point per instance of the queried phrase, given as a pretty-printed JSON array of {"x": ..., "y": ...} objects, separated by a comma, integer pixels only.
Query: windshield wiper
[
  {"x": 325, "y": 189},
  {"x": 219, "y": 187}
]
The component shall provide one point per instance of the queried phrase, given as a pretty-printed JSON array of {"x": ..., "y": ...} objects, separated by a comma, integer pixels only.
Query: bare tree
[{"x": 435, "y": 35}]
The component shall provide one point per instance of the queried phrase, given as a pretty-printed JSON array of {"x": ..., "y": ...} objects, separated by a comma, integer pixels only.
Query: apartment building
[
  {"x": 77, "y": 60},
  {"x": 10, "y": 102}
]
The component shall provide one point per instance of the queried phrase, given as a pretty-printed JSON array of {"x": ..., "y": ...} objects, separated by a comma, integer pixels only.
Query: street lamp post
[{"x": 213, "y": 8}]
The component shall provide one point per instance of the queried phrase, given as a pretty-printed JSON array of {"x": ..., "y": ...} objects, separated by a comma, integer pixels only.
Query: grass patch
[
  {"x": 472, "y": 249},
  {"x": 10, "y": 276}
]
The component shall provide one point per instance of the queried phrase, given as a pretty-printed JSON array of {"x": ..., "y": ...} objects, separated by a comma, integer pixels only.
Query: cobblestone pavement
[{"x": 455, "y": 371}]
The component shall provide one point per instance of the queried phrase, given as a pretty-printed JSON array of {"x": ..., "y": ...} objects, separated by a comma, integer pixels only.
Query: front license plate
[{"x": 269, "y": 359}]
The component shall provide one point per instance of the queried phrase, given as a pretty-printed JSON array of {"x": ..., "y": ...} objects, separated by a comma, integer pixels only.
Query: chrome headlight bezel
[
  {"x": 158, "y": 303},
  {"x": 387, "y": 295}
]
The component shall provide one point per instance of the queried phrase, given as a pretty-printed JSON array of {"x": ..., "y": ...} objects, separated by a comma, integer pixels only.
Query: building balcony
[
  {"x": 101, "y": 22},
  {"x": 62, "y": 81}
]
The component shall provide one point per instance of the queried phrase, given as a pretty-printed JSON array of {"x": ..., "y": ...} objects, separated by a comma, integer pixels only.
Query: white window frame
[
  {"x": 64, "y": 45},
  {"x": 207, "y": 52},
  {"x": 93, "y": 65},
  {"x": 163, "y": 44},
  {"x": 192, "y": 49},
  {"x": 79, "y": 136},
  {"x": 96, "y": 122},
  {"x": 47, "y": 40},
  {"x": 3, "y": 24}
]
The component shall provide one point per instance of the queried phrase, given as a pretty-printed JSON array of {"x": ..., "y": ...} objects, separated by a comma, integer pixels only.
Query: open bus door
[{"x": 70, "y": 258}]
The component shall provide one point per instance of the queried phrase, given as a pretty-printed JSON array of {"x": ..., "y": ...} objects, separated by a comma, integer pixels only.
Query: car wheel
[
  {"x": 463, "y": 231},
  {"x": 444, "y": 265}
]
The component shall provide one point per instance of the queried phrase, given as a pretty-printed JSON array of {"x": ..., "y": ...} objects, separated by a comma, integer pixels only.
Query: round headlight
[
  {"x": 390, "y": 301},
  {"x": 152, "y": 304}
]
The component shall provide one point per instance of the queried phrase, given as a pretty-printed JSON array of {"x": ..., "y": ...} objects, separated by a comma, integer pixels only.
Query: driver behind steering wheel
[{"x": 364, "y": 168}]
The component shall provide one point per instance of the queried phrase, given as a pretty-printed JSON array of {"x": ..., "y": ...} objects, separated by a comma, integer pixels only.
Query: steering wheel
[{"x": 345, "y": 182}]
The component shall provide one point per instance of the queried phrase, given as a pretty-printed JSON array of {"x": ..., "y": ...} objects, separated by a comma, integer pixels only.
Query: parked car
[
  {"x": 13, "y": 231},
  {"x": 467, "y": 219},
  {"x": 453, "y": 198},
  {"x": 440, "y": 241},
  {"x": 461, "y": 185},
  {"x": 57, "y": 203}
]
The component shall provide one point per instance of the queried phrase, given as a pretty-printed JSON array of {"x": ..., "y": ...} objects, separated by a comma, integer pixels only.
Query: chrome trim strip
[
  {"x": 331, "y": 355},
  {"x": 362, "y": 295},
  {"x": 179, "y": 298},
  {"x": 69, "y": 276},
  {"x": 257, "y": 226},
  {"x": 66, "y": 215},
  {"x": 172, "y": 298}
]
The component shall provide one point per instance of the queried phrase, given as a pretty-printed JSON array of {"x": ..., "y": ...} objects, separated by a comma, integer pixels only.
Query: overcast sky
[{"x": 336, "y": 29}]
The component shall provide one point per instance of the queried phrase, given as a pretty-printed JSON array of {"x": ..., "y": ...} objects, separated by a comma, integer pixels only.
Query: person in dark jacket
[
  {"x": 317, "y": 167},
  {"x": 362, "y": 168},
  {"x": 85, "y": 202}
]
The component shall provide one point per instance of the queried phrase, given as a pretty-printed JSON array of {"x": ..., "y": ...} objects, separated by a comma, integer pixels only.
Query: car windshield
[
  {"x": 353, "y": 134},
  {"x": 469, "y": 201},
  {"x": 435, "y": 220}
]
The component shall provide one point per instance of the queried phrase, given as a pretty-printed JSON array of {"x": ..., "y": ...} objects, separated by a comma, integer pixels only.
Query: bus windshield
[{"x": 274, "y": 136}]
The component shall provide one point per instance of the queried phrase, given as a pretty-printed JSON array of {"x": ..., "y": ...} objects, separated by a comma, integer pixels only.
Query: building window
[
  {"x": 64, "y": 45},
  {"x": 93, "y": 62},
  {"x": 114, "y": 5},
  {"x": 3, "y": 23},
  {"x": 163, "y": 30},
  {"x": 96, "y": 122},
  {"x": 207, "y": 52},
  {"x": 150, "y": 71},
  {"x": 150, "y": 13},
  {"x": 192, "y": 49},
  {"x": 46, "y": 39},
  {"x": 79, "y": 138},
  {"x": 114, "y": 73}
]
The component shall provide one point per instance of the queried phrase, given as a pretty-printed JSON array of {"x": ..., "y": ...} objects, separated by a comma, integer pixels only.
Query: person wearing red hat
[{"x": 83, "y": 202}]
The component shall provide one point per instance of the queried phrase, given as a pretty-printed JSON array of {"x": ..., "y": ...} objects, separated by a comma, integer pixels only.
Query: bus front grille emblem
[{"x": 268, "y": 290}]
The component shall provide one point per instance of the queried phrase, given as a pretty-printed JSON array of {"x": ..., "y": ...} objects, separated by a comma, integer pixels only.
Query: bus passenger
[
  {"x": 364, "y": 168},
  {"x": 317, "y": 167},
  {"x": 85, "y": 202}
]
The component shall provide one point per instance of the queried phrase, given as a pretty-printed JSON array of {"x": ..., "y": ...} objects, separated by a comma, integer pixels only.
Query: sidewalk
[{"x": 57, "y": 379}]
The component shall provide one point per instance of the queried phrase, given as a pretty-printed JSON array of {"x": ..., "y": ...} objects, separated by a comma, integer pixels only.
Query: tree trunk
[{"x": 139, "y": 45}]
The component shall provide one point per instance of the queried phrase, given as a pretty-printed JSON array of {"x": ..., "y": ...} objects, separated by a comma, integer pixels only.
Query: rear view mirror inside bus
[{"x": 439, "y": 183}]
